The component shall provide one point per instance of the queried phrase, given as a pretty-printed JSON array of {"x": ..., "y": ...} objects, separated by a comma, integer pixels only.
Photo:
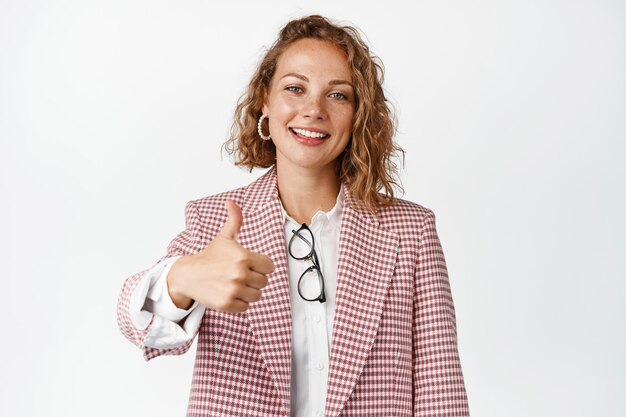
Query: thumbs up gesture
[{"x": 223, "y": 276}]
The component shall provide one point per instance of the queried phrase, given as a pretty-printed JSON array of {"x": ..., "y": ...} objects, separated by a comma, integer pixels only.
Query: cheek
[
  {"x": 347, "y": 121},
  {"x": 346, "y": 116},
  {"x": 346, "y": 133},
  {"x": 282, "y": 109}
]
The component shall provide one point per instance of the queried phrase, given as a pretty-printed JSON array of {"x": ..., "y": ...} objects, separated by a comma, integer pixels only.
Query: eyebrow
[{"x": 304, "y": 78}]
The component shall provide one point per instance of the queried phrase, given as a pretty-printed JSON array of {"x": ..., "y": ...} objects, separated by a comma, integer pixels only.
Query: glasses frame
[{"x": 312, "y": 255}]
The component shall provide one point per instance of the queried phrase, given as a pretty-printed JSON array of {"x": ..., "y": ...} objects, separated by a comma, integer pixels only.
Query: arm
[
  {"x": 439, "y": 389},
  {"x": 220, "y": 275},
  {"x": 153, "y": 333},
  {"x": 171, "y": 326}
]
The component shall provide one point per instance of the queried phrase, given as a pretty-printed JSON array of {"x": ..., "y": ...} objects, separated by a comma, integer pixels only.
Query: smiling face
[{"x": 310, "y": 106}]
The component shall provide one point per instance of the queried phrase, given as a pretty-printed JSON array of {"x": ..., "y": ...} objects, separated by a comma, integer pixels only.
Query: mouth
[
  {"x": 309, "y": 134},
  {"x": 309, "y": 137}
]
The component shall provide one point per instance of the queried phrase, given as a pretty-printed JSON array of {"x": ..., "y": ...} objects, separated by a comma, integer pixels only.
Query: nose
[{"x": 314, "y": 108}]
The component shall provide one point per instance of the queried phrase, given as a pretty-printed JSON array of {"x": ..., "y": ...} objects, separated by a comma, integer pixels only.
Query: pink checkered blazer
[{"x": 394, "y": 343}]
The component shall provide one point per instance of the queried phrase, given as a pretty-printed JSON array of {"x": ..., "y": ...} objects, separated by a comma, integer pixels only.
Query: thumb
[{"x": 233, "y": 222}]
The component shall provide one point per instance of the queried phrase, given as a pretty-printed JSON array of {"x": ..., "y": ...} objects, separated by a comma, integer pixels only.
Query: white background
[{"x": 512, "y": 113}]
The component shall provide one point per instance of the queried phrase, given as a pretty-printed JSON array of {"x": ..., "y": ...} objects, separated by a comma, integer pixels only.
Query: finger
[
  {"x": 249, "y": 294},
  {"x": 256, "y": 280},
  {"x": 261, "y": 263},
  {"x": 237, "y": 306},
  {"x": 233, "y": 221}
]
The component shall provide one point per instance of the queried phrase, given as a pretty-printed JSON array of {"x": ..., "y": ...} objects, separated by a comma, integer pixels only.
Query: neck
[{"x": 303, "y": 193}]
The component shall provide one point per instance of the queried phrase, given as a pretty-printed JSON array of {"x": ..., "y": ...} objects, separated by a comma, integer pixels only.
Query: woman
[{"x": 311, "y": 292}]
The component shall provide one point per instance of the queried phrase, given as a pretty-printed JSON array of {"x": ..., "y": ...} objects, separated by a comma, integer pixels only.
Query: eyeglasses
[{"x": 311, "y": 281}]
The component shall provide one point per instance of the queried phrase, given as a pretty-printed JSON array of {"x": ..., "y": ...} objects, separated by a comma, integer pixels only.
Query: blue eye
[
  {"x": 294, "y": 89},
  {"x": 338, "y": 95}
]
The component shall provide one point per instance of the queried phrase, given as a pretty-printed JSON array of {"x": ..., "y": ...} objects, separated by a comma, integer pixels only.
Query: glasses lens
[
  {"x": 301, "y": 244},
  {"x": 310, "y": 284}
]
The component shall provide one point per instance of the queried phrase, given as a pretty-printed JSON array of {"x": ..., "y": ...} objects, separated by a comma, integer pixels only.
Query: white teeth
[{"x": 309, "y": 134}]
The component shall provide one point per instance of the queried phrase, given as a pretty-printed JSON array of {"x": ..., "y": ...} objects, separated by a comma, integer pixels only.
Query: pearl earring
[{"x": 260, "y": 129}]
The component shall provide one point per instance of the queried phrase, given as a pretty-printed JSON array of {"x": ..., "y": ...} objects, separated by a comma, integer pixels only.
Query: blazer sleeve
[
  {"x": 439, "y": 389},
  {"x": 138, "y": 332}
]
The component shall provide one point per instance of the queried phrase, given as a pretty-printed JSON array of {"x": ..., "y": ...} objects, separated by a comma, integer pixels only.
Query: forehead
[{"x": 314, "y": 57}]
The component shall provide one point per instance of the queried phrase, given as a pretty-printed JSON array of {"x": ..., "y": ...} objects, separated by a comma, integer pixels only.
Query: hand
[{"x": 223, "y": 276}]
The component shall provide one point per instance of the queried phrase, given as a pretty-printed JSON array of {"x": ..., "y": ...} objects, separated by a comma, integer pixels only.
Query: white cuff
[
  {"x": 158, "y": 300},
  {"x": 166, "y": 334},
  {"x": 151, "y": 299}
]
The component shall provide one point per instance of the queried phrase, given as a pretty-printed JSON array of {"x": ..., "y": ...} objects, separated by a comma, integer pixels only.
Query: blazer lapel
[
  {"x": 263, "y": 232},
  {"x": 367, "y": 258}
]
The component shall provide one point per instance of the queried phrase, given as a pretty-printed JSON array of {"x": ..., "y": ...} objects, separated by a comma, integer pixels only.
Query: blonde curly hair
[{"x": 366, "y": 166}]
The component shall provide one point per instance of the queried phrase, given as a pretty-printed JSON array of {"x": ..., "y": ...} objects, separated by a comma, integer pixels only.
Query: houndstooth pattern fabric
[{"x": 394, "y": 349}]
